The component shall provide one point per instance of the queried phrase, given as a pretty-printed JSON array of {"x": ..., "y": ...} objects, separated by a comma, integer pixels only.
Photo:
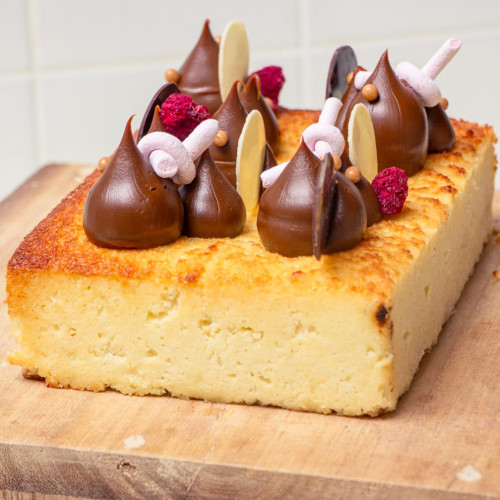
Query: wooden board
[{"x": 64, "y": 442}]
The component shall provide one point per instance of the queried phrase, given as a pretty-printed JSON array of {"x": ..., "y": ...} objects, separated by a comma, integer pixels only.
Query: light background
[{"x": 73, "y": 71}]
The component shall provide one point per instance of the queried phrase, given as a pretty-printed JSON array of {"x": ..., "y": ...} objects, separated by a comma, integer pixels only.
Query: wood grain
[{"x": 70, "y": 443}]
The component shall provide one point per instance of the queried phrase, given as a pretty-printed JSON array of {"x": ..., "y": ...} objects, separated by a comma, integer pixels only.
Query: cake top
[
  {"x": 204, "y": 160},
  {"x": 59, "y": 244}
]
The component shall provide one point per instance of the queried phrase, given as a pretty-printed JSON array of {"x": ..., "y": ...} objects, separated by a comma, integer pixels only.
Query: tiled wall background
[{"x": 73, "y": 71}]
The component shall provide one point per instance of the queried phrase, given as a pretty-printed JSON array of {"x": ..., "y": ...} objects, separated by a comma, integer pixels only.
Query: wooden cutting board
[{"x": 443, "y": 442}]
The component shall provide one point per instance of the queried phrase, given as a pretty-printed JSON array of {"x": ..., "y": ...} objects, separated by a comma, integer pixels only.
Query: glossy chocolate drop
[
  {"x": 158, "y": 99},
  {"x": 285, "y": 214},
  {"x": 342, "y": 63},
  {"x": 251, "y": 98},
  {"x": 441, "y": 131},
  {"x": 348, "y": 222},
  {"x": 199, "y": 75},
  {"x": 231, "y": 117},
  {"x": 370, "y": 200},
  {"x": 212, "y": 207},
  {"x": 399, "y": 121},
  {"x": 129, "y": 206}
]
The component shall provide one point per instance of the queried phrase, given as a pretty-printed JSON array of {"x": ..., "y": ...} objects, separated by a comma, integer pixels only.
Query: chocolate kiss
[
  {"x": 251, "y": 98},
  {"x": 349, "y": 217},
  {"x": 398, "y": 118},
  {"x": 370, "y": 200},
  {"x": 342, "y": 63},
  {"x": 158, "y": 99},
  {"x": 285, "y": 214},
  {"x": 199, "y": 75},
  {"x": 231, "y": 117},
  {"x": 212, "y": 207},
  {"x": 129, "y": 206},
  {"x": 441, "y": 131}
]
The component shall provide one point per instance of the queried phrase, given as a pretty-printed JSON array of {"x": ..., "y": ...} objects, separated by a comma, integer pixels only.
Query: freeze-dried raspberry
[
  {"x": 271, "y": 82},
  {"x": 391, "y": 188},
  {"x": 181, "y": 115}
]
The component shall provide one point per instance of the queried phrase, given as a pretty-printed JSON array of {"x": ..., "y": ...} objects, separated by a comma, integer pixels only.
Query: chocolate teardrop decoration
[
  {"x": 398, "y": 118},
  {"x": 251, "y": 98},
  {"x": 342, "y": 63},
  {"x": 323, "y": 203},
  {"x": 285, "y": 214},
  {"x": 129, "y": 206},
  {"x": 199, "y": 75},
  {"x": 441, "y": 131},
  {"x": 370, "y": 200},
  {"x": 212, "y": 207},
  {"x": 231, "y": 117},
  {"x": 349, "y": 217},
  {"x": 158, "y": 99}
]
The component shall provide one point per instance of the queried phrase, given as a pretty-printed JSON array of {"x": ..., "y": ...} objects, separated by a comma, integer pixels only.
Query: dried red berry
[
  {"x": 391, "y": 188},
  {"x": 271, "y": 82},
  {"x": 181, "y": 115}
]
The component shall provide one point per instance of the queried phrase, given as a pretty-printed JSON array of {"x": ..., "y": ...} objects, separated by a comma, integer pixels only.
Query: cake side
[{"x": 225, "y": 320}]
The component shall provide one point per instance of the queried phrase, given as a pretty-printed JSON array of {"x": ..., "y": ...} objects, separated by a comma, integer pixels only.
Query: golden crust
[{"x": 59, "y": 244}]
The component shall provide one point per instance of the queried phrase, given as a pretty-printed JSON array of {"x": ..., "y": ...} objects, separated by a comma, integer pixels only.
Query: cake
[{"x": 220, "y": 317}]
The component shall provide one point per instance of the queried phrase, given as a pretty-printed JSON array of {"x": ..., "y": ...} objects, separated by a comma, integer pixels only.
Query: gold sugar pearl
[
  {"x": 370, "y": 92},
  {"x": 220, "y": 139},
  {"x": 218, "y": 38},
  {"x": 337, "y": 162},
  {"x": 103, "y": 163},
  {"x": 350, "y": 77},
  {"x": 172, "y": 75},
  {"x": 353, "y": 174},
  {"x": 444, "y": 103}
]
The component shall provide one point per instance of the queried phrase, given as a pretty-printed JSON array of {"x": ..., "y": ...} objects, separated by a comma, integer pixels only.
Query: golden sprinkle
[
  {"x": 444, "y": 103},
  {"x": 350, "y": 77},
  {"x": 103, "y": 163},
  {"x": 370, "y": 92},
  {"x": 337, "y": 162},
  {"x": 353, "y": 174},
  {"x": 220, "y": 139},
  {"x": 172, "y": 75}
]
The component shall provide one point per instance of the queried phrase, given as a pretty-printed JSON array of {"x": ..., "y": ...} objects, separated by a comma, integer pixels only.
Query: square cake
[{"x": 225, "y": 320}]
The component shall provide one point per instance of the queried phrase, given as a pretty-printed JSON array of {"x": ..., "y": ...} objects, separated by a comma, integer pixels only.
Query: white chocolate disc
[
  {"x": 361, "y": 140},
  {"x": 234, "y": 55},
  {"x": 250, "y": 159}
]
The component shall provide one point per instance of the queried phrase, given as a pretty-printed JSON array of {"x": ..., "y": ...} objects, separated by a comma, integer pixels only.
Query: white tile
[
  {"x": 84, "y": 112},
  {"x": 14, "y": 55},
  {"x": 110, "y": 31},
  {"x": 364, "y": 19},
  {"x": 17, "y": 137}
]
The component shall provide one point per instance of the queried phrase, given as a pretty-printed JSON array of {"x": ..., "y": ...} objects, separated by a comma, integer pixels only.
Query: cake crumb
[
  {"x": 134, "y": 442},
  {"x": 468, "y": 474}
]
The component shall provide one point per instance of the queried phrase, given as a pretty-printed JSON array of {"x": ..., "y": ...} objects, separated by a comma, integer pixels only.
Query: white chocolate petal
[
  {"x": 270, "y": 176},
  {"x": 361, "y": 140},
  {"x": 423, "y": 85},
  {"x": 201, "y": 138},
  {"x": 250, "y": 159},
  {"x": 234, "y": 56}
]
